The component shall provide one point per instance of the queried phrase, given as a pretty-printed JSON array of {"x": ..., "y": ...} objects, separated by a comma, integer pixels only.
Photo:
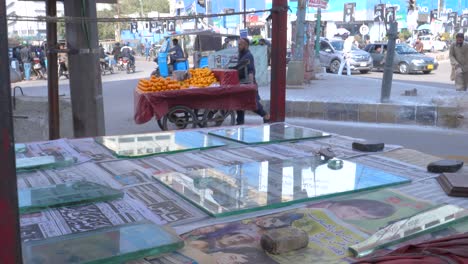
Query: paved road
[
  {"x": 118, "y": 102},
  {"x": 439, "y": 78}
]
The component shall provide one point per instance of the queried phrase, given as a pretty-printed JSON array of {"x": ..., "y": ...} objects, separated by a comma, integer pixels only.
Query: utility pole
[
  {"x": 10, "y": 244},
  {"x": 278, "y": 60},
  {"x": 85, "y": 86},
  {"x": 245, "y": 15},
  {"x": 208, "y": 11},
  {"x": 52, "y": 72},
  {"x": 317, "y": 35},
  {"x": 388, "y": 68},
  {"x": 295, "y": 76}
]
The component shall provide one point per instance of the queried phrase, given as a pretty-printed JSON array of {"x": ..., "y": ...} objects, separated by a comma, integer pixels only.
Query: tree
[
  {"x": 126, "y": 7},
  {"x": 133, "y": 6}
]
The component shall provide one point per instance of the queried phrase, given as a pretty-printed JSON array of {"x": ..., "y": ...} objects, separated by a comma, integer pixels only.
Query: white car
[{"x": 431, "y": 44}]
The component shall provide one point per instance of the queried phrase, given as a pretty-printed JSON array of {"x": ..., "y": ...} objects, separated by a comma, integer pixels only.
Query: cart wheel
[
  {"x": 160, "y": 124},
  {"x": 219, "y": 118},
  {"x": 179, "y": 117}
]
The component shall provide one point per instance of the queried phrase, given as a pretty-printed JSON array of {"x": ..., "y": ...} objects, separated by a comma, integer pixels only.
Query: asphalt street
[{"x": 118, "y": 106}]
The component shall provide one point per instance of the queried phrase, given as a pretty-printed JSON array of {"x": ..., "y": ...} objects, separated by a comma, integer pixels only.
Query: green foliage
[
  {"x": 404, "y": 35},
  {"x": 125, "y": 7},
  {"x": 446, "y": 36},
  {"x": 133, "y": 6}
]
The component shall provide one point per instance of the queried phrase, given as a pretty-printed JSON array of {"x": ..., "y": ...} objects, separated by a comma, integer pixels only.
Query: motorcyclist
[
  {"x": 116, "y": 51},
  {"x": 127, "y": 51},
  {"x": 102, "y": 57}
]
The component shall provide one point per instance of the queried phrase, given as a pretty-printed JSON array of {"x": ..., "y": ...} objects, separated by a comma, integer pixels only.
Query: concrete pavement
[
  {"x": 353, "y": 98},
  {"x": 357, "y": 98}
]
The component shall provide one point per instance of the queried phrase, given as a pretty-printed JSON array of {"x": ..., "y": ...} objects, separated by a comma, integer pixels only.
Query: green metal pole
[{"x": 317, "y": 32}]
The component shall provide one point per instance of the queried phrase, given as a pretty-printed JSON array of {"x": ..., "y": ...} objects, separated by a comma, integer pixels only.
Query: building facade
[{"x": 28, "y": 30}]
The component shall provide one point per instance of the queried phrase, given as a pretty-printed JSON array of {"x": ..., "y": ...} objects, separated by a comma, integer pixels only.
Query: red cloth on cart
[
  {"x": 235, "y": 97},
  {"x": 226, "y": 76}
]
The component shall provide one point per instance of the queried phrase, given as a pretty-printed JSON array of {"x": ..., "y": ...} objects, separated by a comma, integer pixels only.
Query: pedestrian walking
[
  {"x": 459, "y": 61},
  {"x": 347, "y": 47},
  {"x": 246, "y": 59}
]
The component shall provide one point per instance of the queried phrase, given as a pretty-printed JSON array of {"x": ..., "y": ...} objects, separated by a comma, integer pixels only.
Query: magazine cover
[
  {"x": 239, "y": 241},
  {"x": 370, "y": 211}
]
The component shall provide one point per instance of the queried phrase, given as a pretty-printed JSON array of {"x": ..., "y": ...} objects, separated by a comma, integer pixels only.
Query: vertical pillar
[
  {"x": 278, "y": 60},
  {"x": 388, "y": 67},
  {"x": 85, "y": 85},
  {"x": 10, "y": 245},
  {"x": 52, "y": 72}
]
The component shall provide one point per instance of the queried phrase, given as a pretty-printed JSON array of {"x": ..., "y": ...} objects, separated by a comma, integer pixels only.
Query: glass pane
[
  {"x": 20, "y": 148},
  {"x": 42, "y": 162},
  {"x": 37, "y": 199},
  {"x": 143, "y": 145},
  {"x": 269, "y": 133},
  {"x": 108, "y": 245},
  {"x": 405, "y": 229},
  {"x": 253, "y": 186}
]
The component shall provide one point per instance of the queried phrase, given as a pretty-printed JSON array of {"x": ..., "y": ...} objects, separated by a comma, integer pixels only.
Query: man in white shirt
[{"x": 347, "y": 47}]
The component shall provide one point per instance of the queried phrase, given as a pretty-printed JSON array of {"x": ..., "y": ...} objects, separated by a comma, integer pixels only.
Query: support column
[
  {"x": 85, "y": 77},
  {"x": 52, "y": 72},
  {"x": 295, "y": 74},
  {"x": 278, "y": 60},
  {"x": 10, "y": 245},
  {"x": 388, "y": 67}
]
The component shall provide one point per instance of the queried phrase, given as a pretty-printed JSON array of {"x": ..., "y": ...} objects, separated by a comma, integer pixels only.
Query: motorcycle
[
  {"x": 128, "y": 65},
  {"x": 38, "y": 69},
  {"x": 105, "y": 65},
  {"x": 120, "y": 64}
]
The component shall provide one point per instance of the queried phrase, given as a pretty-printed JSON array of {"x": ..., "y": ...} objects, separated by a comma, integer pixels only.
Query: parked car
[
  {"x": 406, "y": 60},
  {"x": 430, "y": 43},
  {"x": 331, "y": 54}
]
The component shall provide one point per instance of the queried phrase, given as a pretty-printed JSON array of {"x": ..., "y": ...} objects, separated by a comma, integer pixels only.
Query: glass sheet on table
[
  {"x": 108, "y": 245},
  {"x": 143, "y": 145},
  {"x": 424, "y": 222},
  {"x": 269, "y": 133},
  {"x": 20, "y": 148},
  {"x": 248, "y": 187},
  {"x": 42, "y": 162},
  {"x": 37, "y": 199}
]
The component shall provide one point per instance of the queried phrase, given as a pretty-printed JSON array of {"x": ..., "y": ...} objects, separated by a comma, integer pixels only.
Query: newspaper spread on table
[{"x": 146, "y": 198}]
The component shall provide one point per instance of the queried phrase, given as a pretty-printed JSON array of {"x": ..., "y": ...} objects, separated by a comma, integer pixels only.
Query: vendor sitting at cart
[
  {"x": 176, "y": 51},
  {"x": 246, "y": 59}
]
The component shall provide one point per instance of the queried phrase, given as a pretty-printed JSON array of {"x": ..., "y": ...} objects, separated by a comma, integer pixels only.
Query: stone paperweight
[
  {"x": 445, "y": 166},
  {"x": 118, "y": 244},
  {"x": 368, "y": 146},
  {"x": 424, "y": 222},
  {"x": 37, "y": 199},
  {"x": 454, "y": 184},
  {"x": 282, "y": 240}
]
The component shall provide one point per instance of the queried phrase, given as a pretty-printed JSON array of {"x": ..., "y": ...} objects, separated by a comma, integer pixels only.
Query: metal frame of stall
[{"x": 10, "y": 244}]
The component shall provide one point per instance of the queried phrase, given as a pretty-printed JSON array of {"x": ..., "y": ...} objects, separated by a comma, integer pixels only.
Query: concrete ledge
[
  {"x": 426, "y": 115},
  {"x": 31, "y": 119}
]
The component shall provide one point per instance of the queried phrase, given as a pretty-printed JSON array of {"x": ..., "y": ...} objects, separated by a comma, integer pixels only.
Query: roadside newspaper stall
[{"x": 119, "y": 199}]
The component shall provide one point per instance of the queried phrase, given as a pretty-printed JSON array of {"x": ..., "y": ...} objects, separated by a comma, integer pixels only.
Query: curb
[{"x": 425, "y": 115}]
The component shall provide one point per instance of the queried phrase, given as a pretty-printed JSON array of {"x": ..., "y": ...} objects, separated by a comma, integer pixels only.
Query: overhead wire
[{"x": 68, "y": 19}]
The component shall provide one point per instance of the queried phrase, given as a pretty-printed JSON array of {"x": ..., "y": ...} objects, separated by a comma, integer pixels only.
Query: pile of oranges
[
  {"x": 201, "y": 77},
  {"x": 159, "y": 84}
]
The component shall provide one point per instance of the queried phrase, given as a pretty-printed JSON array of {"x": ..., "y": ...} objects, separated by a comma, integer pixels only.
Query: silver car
[
  {"x": 406, "y": 60},
  {"x": 331, "y": 54}
]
